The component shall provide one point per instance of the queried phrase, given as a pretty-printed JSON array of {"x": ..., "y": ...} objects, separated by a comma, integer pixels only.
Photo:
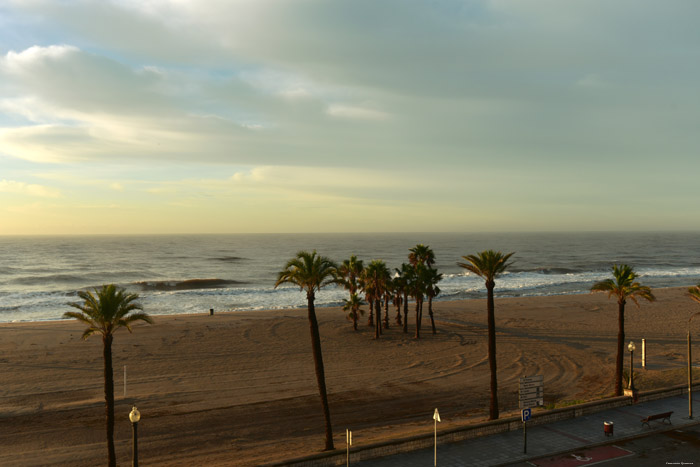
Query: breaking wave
[
  {"x": 190, "y": 284},
  {"x": 229, "y": 259}
]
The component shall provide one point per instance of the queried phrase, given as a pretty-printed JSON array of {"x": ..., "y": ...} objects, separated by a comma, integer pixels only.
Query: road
[{"x": 675, "y": 447}]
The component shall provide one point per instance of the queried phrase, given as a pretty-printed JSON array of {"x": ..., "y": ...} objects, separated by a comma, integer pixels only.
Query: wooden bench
[{"x": 659, "y": 416}]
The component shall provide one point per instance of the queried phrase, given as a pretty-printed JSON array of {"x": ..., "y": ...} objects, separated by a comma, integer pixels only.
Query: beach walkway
[{"x": 584, "y": 435}]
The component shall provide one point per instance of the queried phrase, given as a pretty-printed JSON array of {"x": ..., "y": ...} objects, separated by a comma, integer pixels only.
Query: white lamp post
[
  {"x": 135, "y": 416},
  {"x": 631, "y": 348}
]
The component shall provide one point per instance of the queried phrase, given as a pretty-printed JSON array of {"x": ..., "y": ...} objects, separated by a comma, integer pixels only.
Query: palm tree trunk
[
  {"x": 378, "y": 327},
  {"x": 370, "y": 321},
  {"x": 354, "y": 320},
  {"x": 620, "y": 346},
  {"x": 320, "y": 375},
  {"x": 386, "y": 312},
  {"x": 430, "y": 312},
  {"x": 109, "y": 398},
  {"x": 405, "y": 314},
  {"x": 493, "y": 406},
  {"x": 418, "y": 317},
  {"x": 398, "y": 311}
]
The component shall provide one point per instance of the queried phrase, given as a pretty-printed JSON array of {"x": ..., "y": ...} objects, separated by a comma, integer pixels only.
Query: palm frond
[
  {"x": 88, "y": 332},
  {"x": 488, "y": 264},
  {"x": 309, "y": 271},
  {"x": 82, "y": 317},
  {"x": 623, "y": 286},
  {"x": 106, "y": 310},
  {"x": 694, "y": 293},
  {"x": 129, "y": 320}
]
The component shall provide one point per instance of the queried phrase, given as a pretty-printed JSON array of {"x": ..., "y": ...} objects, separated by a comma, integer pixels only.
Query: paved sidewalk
[{"x": 553, "y": 438}]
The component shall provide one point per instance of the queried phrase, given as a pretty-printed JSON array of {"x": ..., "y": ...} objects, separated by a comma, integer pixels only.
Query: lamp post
[
  {"x": 135, "y": 416},
  {"x": 631, "y": 348},
  {"x": 690, "y": 371}
]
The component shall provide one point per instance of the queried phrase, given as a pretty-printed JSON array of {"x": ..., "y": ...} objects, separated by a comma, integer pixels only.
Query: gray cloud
[{"x": 464, "y": 84}]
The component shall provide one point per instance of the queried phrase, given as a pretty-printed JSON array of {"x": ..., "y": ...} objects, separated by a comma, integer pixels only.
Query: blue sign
[{"x": 525, "y": 414}]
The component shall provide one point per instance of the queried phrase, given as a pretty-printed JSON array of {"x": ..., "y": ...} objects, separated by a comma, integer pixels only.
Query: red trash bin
[{"x": 608, "y": 428}]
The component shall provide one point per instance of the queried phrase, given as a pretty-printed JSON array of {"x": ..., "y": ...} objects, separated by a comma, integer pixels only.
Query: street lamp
[
  {"x": 631, "y": 348},
  {"x": 135, "y": 416},
  {"x": 690, "y": 372}
]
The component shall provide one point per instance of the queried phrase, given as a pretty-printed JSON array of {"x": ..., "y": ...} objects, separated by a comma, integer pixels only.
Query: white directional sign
[
  {"x": 531, "y": 391},
  {"x": 436, "y": 416}
]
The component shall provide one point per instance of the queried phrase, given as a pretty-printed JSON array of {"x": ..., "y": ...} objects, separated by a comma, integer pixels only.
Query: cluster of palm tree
[
  {"x": 110, "y": 308},
  {"x": 416, "y": 279}
]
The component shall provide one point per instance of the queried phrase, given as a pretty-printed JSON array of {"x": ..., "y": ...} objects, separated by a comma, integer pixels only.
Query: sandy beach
[{"x": 240, "y": 389}]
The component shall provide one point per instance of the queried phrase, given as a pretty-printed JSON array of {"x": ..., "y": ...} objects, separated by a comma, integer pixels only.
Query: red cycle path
[{"x": 583, "y": 457}]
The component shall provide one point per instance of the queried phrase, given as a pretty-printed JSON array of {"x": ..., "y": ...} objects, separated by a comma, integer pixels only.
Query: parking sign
[{"x": 525, "y": 414}]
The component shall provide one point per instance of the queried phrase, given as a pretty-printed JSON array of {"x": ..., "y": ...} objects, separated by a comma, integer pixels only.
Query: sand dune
[{"x": 240, "y": 389}]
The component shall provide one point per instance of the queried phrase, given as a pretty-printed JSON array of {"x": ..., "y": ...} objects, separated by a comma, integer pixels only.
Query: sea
[{"x": 174, "y": 274}]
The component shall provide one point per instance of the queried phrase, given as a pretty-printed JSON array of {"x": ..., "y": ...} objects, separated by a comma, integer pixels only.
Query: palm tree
[
  {"x": 105, "y": 311},
  {"x": 388, "y": 294},
  {"x": 421, "y": 254},
  {"x": 375, "y": 276},
  {"x": 352, "y": 306},
  {"x": 488, "y": 265},
  {"x": 406, "y": 273},
  {"x": 349, "y": 273},
  {"x": 622, "y": 286},
  {"x": 418, "y": 281},
  {"x": 432, "y": 290},
  {"x": 311, "y": 272},
  {"x": 397, "y": 286}
]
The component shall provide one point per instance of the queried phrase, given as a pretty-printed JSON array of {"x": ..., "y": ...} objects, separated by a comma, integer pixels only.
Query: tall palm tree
[
  {"x": 418, "y": 287},
  {"x": 375, "y": 276},
  {"x": 397, "y": 286},
  {"x": 388, "y": 294},
  {"x": 432, "y": 290},
  {"x": 349, "y": 275},
  {"x": 489, "y": 265},
  {"x": 622, "y": 286},
  {"x": 105, "y": 311},
  {"x": 352, "y": 306},
  {"x": 406, "y": 273},
  {"x": 311, "y": 272}
]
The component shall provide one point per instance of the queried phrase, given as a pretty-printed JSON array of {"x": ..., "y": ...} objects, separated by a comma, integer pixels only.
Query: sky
[{"x": 243, "y": 116}]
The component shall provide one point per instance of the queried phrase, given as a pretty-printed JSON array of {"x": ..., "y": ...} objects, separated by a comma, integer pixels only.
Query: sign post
[
  {"x": 531, "y": 395},
  {"x": 124, "y": 381},
  {"x": 525, "y": 415},
  {"x": 348, "y": 443},
  {"x": 436, "y": 417}
]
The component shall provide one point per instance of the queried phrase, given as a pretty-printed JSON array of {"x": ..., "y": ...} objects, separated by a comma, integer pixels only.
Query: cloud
[
  {"x": 361, "y": 113},
  {"x": 15, "y": 187},
  {"x": 270, "y": 83},
  {"x": 392, "y": 99}
]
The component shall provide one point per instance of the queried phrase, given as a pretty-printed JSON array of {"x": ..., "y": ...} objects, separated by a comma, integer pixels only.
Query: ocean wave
[
  {"x": 190, "y": 284},
  {"x": 229, "y": 259},
  {"x": 48, "y": 279}
]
